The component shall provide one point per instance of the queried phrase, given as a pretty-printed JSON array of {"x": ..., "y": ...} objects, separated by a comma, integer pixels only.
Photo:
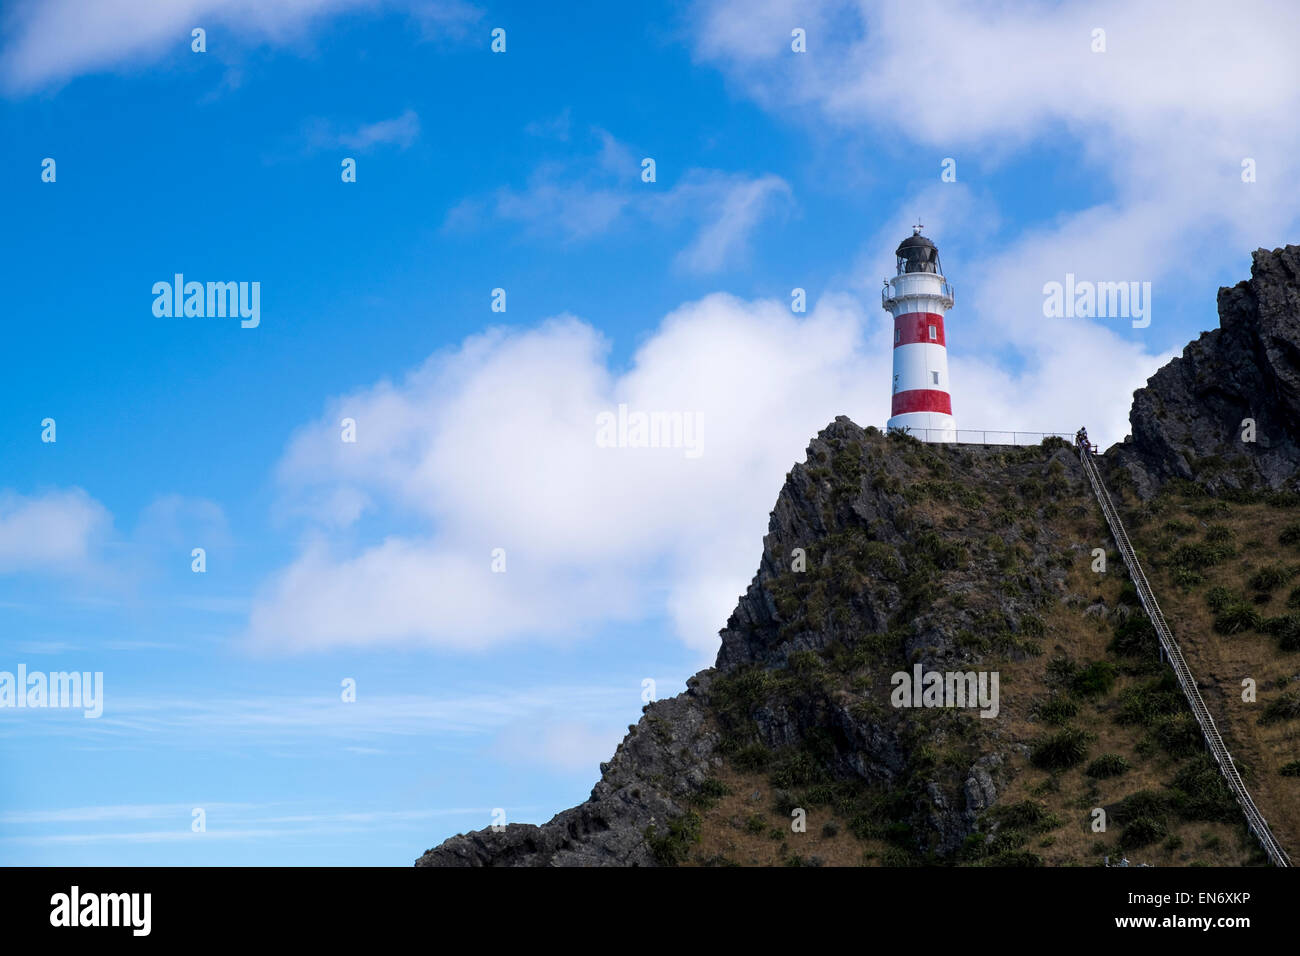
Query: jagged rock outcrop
[{"x": 1188, "y": 421}]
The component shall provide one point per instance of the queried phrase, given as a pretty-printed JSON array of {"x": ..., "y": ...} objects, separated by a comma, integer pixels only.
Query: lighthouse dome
[{"x": 916, "y": 253}]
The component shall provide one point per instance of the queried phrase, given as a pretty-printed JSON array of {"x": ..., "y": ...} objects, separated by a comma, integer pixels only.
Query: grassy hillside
[{"x": 1226, "y": 571}]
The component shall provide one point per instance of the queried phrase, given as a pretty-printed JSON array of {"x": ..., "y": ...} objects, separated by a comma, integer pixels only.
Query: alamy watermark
[
  {"x": 61, "y": 689},
  {"x": 1102, "y": 300},
  {"x": 629, "y": 429},
  {"x": 75, "y": 908},
  {"x": 946, "y": 689},
  {"x": 208, "y": 300}
]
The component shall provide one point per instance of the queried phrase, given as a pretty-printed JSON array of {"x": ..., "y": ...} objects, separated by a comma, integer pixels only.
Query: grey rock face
[{"x": 1187, "y": 421}]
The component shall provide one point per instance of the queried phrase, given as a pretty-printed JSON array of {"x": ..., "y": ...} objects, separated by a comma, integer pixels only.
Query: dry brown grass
[
  {"x": 1220, "y": 663},
  {"x": 727, "y": 839}
]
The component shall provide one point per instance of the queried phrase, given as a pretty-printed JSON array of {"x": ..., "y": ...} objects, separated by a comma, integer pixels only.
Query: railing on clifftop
[{"x": 980, "y": 436}]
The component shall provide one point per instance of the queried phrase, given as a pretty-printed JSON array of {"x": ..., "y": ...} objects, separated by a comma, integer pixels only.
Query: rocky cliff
[
  {"x": 883, "y": 555},
  {"x": 1190, "y": 420}
]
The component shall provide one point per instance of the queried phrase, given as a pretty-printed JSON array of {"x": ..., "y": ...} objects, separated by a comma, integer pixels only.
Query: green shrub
[
  {"x": 1199, "y": 792},
  {"x": 1057, "y": 709},
  {"x": 1148, "y": 703},
  {"x": 1201, "y": 556},
  {"x": 1143, "y": 831},
  {"x": 751, "y": 757},
  {"x": 1144, "y": 803},
  {"x": 674, "y": 846},
  {"x": 1285, "y": 707},
  {"x": 1290, "y": 534},
  {"x": 1062, "y": 750},
  {"x": 797, "y": 768},
  {"x": 736, "y": 694},
  {"x": 1291, "y": 769},
  {"x": 1032, "y": 626},
  {"x": 1025, "y": 815},
  {"x": 1286, "y": 629},
  {"x": 1269, "y": 578},
  {"x": 1134, "y": 637},
  {"x": 1107, "y": 765},
  {"x": 711, "y": 790},
  {"x": 1178, "y": 735},
  {"x": 1236, "y": 618},
  {"x": 1061, "y": 671},
  {"x": 1095, "y": 680},
  {"x": 1219, "y": 597},
  {"x": 945, "y": 555},
  {"x": 1144, "y": 815}
]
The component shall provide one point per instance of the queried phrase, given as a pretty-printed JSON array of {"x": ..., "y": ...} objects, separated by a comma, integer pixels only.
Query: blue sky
[{"x": 520, "y": 170}]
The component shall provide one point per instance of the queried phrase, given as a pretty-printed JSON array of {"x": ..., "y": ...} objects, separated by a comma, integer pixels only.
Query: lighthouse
[{"x": 917, "y": 297}]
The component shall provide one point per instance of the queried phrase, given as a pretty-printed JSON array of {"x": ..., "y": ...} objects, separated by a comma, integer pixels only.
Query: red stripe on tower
[
  {"x": 922, "y": 400},
  {"x": 917, "y": 327}
]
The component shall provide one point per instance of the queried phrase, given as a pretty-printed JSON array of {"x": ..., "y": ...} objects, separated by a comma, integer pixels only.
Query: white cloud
[
  {"x": 52, "y": 532},
  {"x": 493, "y": 445},
  {"x": 54, "y": 40}
]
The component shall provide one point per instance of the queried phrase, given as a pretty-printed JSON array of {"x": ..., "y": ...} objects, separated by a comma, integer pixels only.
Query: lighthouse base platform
[{"x": 926, "y": 426}]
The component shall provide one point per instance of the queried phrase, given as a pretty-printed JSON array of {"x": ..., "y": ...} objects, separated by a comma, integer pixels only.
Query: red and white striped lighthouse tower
[{"x": 917, "y": 298}]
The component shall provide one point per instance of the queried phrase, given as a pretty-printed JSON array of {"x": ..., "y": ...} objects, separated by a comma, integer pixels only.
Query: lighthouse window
[
  {"x": 934, "y": 375},
  {"x": 898, "y": 336},
  {"x": 934, "y": 334}
]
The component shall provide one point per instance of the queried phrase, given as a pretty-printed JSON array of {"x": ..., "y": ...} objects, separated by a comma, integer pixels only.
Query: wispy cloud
[
  {"x": 321, "y": 134},
  {"x": 44, "y": 647},
  {"x": 266, "y": 721},
  {"x": 557, "y": 127},
  {"x": 579, "y": 199},
  {"x": 223, "y": 822},
  {"x": 48, "y": 41},
  {"x": 400, "y": 131}
]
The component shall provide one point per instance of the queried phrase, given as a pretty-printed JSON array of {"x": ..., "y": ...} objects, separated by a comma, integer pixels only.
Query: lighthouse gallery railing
[{"x": 888, "y": 295}]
